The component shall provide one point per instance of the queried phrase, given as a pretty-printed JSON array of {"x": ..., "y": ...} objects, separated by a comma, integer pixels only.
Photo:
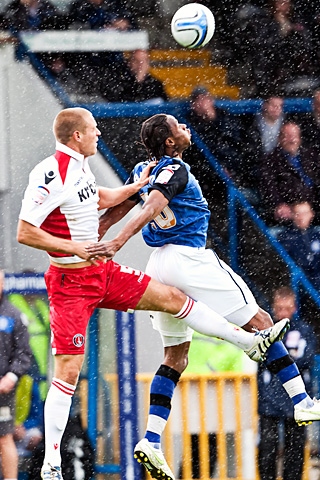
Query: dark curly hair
[{"x": 154, "y": 133}]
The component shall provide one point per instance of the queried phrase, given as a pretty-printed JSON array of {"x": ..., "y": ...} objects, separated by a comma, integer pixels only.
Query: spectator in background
[
  {"x": 88, "y": 67},
  {"x": 287, "y": 174},
  {"x": 32, "y": 15},
  {"x": 302, "y": 241},
  {"x": 273, "y": 409},
  {"x": 262, "y": 135},
  {"x": 76, "y": 76},
  {"x": 279, "y": 48},
  {"x": 268, "y": 123},
  {"x": 99, "y": 14},
  {"x": 36, "y": 311},
  {"x": 29, "y": 428},
  {"x": 221, "y": 132},
  {"x": 209, "y": 355},
  {"x": 15, "y": 359},
  {"x": 133, "y": 82},
  {"x": 310, "y": 123}
]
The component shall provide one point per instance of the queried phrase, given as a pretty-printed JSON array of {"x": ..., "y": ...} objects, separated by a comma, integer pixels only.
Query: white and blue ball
[{"x": 193, "y": 25}]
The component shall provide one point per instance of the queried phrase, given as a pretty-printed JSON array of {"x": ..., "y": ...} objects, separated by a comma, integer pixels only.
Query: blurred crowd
[
  {"x": 272, "y": 45},
  {"x": 275, "y": 43}
]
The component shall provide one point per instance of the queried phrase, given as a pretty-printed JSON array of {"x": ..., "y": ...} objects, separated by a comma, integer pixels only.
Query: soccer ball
[{"x": 193, "y": 25}]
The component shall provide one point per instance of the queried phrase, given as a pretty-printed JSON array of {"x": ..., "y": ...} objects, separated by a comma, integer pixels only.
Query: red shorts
[{"x": 75, "y": 293}]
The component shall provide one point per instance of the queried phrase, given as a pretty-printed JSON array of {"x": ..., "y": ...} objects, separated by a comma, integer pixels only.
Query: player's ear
[
  {"x": 169, "y": 142},
  {"x": 76, "y": 135}
]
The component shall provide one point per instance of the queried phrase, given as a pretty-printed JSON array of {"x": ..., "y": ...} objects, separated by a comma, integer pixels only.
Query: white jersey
[{"x": 62, "y": 199}]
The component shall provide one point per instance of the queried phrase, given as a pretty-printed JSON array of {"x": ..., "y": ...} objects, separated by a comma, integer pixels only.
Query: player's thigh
[
  {"x": 163, "y": 298},
  {"x": 203, "y": 276}
]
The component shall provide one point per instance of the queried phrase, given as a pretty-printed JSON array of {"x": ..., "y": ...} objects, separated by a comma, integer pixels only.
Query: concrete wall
[{"x": 26, "y": 115}]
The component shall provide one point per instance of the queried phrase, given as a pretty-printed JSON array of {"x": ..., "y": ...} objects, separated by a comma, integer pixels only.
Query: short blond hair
[{"x": 69, "y": 121}]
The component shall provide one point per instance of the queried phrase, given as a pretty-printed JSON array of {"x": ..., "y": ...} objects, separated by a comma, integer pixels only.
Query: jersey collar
[{"x": 68, "y": 151}]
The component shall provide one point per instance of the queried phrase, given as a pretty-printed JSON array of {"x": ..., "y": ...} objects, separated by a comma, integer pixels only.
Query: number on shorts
[{"x": 125, "y": 269}]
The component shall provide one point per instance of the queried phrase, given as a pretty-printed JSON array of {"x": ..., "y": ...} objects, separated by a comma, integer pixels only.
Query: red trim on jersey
[
  {"x": 63, "y": 161},
  {"x": 63, "y": 388},
  {"x": 186, "y": 310},
  {"x": 56, "y": 224}
]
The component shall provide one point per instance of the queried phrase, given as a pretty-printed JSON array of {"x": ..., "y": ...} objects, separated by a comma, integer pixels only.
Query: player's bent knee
[
  {"x": 68, "y": 367},
  {"x": 176, "y": 356}
]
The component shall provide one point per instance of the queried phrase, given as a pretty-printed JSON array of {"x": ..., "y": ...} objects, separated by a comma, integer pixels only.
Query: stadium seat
[{"x": 182, "y": 70}]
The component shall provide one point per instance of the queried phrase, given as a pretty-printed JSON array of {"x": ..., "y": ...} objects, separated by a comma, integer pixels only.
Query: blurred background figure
[
  {"x": 29, "y": 425},
  {"x": 302, "y": 241},
  {"x": 15, "y": 359},
  {"x": 133, "y": 82},
  {"x": 86, "y": 69},
  {"x": 261, "y": 137},
  {"x": 97, "y": 14},
  {"x": 33, "y": 15},
  {"x": 274, "y": 411},
  {"x": 277, "y": 44},
  {"x": 35, "y": 310},
  {"x": 266, "y": 125},
  {"x": 310, "y": 123},
  {"x": 221, "y": 132},
  {"x": 287, "y": 174}
]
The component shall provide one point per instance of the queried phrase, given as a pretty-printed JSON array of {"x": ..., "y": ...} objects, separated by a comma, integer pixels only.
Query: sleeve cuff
[{"x": 13, "y": 376}]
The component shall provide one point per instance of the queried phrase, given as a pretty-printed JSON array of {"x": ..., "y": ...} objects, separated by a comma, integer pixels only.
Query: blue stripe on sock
[
  {"x": 288, "y": 373},
  {"x": 160, "y": 411},
  {"x": 275, "y": 351},
  {"x": 162, "y": 385},
  {"x": 152, "y": 437},
  {"x": 297, "y": 398}
]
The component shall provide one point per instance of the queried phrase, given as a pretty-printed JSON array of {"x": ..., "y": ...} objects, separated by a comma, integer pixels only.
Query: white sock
[
  {"x": 204, "y": 320},
  {"x": 56, "y": 414},
  {"x": 306, "y": 402}
]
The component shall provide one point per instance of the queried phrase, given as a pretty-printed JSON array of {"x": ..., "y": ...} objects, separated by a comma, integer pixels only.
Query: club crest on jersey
[
  {"x": 78, "y": 340},
  {"x": 48, "y": 177},
  {"x": 40, "y": 194}
]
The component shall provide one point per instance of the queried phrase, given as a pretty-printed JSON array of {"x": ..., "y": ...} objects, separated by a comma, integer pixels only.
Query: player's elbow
[{"x": 22, "y": 236}]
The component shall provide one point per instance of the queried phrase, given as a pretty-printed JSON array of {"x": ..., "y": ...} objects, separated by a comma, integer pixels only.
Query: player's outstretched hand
[
  {"x": 144, "y": 178},
  {"x": 106, "y": 250},
  {"x": 80, "y": 249}
]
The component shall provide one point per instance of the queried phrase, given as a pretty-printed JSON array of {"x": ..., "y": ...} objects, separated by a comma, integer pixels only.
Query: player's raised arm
[
  {"x": 153, "y": 206},
  {"x": 109, "y": 197},
  {"x": 113, "y": 215}
]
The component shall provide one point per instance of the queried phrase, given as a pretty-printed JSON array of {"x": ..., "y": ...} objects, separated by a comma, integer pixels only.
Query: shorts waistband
[
  {"x": 183, "y": 247},
  {"x": 74, "y": 271}
]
